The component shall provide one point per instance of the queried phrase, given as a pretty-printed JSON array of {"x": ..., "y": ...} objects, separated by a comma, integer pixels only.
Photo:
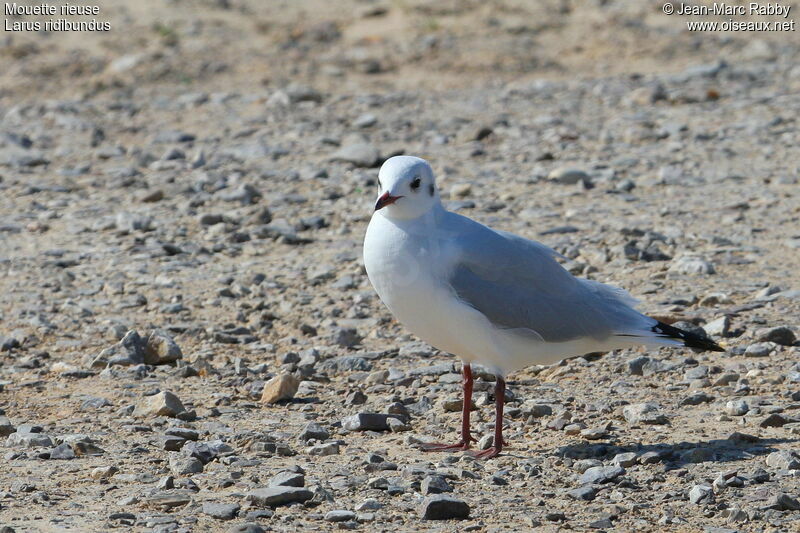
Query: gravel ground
[{"x": 188, "y": 339}]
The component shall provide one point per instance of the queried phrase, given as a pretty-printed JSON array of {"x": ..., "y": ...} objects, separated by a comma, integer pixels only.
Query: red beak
[{"x": 386, "y": 199}]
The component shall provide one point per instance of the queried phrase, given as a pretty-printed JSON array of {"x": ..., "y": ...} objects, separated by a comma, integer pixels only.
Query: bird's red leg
[
  {"x": 499, "y": 400},
  {"x": 466, "y": 437}
]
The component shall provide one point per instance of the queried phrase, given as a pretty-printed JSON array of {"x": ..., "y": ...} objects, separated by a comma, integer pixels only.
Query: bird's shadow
[{"x": 675, "y": 455}]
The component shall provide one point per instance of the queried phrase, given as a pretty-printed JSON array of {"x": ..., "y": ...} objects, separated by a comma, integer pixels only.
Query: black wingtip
[{"x": 690, "y": 340}]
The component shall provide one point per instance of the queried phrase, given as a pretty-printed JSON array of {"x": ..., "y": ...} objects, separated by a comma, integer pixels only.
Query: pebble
[
  {"x": 585, "y": 493},
  {"x": 784, "y": 502},
  {"x": 601, "y": 474},
  {"x": 367, "y": 422},
  {"x": 162, "y": 404},
  {"x": 434, "y": 485},
  {"x": 360, "y": 154},
  {"x": 784, "y": 460},
  {"x": 221, "y": 511},
  {"x": 759, "y": 349},
  {"x": 779, "y": 335},
  {"x": 280, "y": 388},
  {"x": 737, "y": 407},
  {"x": 701, "y": 494},
  {"x": 644, "y": 413},
  {"x": 275, "y": 496},
  {"x": 719, "y": 327},
  {"x": 288, "y": 479},
  {"x": 692, "y": 266},
  {"x": 339, "y": 515},
  {"x": 443, "y": 507},
  {"x": 313, "y": 430},
  {"x": 568, "y": 176},
  {"x": 161, "y": 349}
]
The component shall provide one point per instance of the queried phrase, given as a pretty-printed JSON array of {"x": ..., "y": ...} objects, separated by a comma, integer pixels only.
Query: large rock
[
  {"x": 281, "y": 387},
  {"x": 442, "y": 507},
  {"x": 161, "y": 349},
  {"x": 275, "y": 496},
  {"x": 162, "y": 404}
]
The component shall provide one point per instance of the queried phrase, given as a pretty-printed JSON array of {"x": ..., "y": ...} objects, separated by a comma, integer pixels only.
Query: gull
[{"x": 488, "y": 296}]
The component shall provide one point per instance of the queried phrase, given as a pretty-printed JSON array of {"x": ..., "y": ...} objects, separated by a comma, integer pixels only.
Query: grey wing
[{"x": 516, "y": 283}]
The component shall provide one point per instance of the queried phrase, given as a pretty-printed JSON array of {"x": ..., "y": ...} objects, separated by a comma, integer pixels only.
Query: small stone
[
  {"x": 329, "y": 448},
  {"x": 568, "y": 176},
  {"x": 726, "y": 379},
  {"x": 594, "y": 433},
  {"x": 161, "y": 349},
  {"x": 355, "y": 398},
  {"x": 162, "y": 404},
  {"x": 314, "y": 431},
  {"x": 775, "y": 420},
  {"x": 692, "y": 265},
  {"x": 370, "y": 504},
  {"x": 784, "y": 460},
  {"x": 625, "y": 460},
  {"x": 435, "y": 485},
  {"x": 129, "y": 351},
  {"x": 62, "y": 451},
  {"x": 275, "y": 496},
  {"x": 360, "y": 154},
  {"x": 601, "y": 474},
  {"x": 536, "y": 410},
  {"x": 644, "y": 413},
  {"x": 736, "y": 408},
  {"x": 103, "y": 472},
  {"x": 779, "y": 335},
  {"x": 339, "y": 515},
  {"x": 366, "y": 422},
  {"x": 288, "y": 479},
  {"x": 700, "y": 493},
  {"x": 246, "y": 528},
  {"x": 221, "y": 511},
  {"x": 697, "y": 398},
  {"x": 181, "y": 465},
  {"x": 6, "y": 427},
  {"x": 784, "y": 502},
  {"x": 366, "y": 120},
  {"x": 281, "y": 387},
  {"x": 28, "y": 440},
  {"x": 636, "y": 365},
  {"x": 719, "y": 327},
  {"x": 442, "y": 507},
  {"x": 759, "y": 349},
  {"x": 585, "y": 493}
]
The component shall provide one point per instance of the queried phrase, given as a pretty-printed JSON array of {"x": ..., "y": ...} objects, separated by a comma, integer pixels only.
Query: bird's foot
[
  {"x": 487, "y": 453},
  {"x": 436, "y": 447}
]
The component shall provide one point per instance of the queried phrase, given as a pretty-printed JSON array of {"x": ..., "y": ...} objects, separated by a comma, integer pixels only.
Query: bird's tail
[{"x": 688, "y": 339}]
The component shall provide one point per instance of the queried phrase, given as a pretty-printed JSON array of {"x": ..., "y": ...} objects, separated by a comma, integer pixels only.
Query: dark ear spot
[{"x": 430, "y": 189}]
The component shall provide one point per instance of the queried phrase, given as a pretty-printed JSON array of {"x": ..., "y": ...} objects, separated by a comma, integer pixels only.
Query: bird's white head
[{"x": 406, "y": 188}]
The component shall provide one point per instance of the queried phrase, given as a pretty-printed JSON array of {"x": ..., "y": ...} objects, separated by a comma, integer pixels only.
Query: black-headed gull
[{"x": 488, "y": 296}]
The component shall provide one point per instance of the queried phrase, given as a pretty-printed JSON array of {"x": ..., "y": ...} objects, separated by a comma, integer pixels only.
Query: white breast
[{"x": 404, "y": 266}]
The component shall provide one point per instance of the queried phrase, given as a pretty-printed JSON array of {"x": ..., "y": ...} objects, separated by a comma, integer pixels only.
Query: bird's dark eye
[
  {"x": 415, "y": 184},
  {"x": 379, "y": 187}
]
